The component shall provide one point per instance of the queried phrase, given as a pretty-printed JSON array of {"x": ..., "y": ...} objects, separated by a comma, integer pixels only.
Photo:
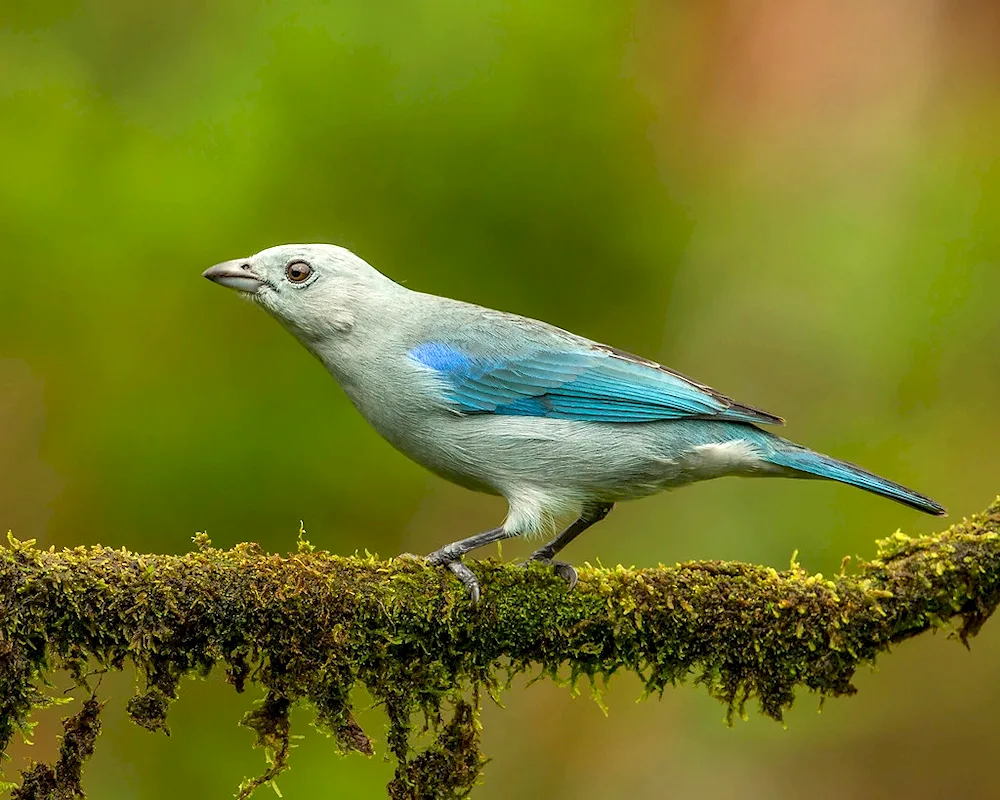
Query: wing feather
[{"x": 592, "y": 383}]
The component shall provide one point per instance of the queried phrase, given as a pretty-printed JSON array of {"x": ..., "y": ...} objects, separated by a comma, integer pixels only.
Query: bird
[{"x": 561, "y": 426}]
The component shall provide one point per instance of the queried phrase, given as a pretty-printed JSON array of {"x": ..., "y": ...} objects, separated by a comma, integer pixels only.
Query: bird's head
[{"x": 315, "y": 290}]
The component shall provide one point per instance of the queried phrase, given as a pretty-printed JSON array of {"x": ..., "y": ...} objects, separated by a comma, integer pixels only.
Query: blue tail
[{"x": 818, "y": 465}]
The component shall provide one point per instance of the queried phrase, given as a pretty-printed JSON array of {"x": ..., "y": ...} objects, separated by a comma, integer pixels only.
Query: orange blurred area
[{"x": 796, "y": 203}]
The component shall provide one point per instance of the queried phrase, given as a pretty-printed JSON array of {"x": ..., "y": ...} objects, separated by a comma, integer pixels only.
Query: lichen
[{"x": 310, "y": 627}]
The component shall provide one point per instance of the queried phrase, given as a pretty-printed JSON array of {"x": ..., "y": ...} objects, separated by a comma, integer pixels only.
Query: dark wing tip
[
  {"x": 730, "y": 406},
  {"x": 757, "y": 414}
]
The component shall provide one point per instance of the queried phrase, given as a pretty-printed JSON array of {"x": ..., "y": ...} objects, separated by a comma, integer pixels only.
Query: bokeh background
[{"x": 797, "y": 203}]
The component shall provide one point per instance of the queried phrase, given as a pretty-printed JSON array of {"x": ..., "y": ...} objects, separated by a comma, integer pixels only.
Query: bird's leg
[
  {"x": 450, "y": 556},
  {"x": 544, "y": 554}
]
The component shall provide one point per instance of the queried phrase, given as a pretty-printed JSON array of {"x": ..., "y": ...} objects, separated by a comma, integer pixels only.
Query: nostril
[{"x": 245, "y": 266}]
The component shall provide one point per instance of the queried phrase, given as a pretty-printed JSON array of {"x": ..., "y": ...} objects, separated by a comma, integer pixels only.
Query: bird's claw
[
  {"x": 565, "y": 571},
  {"x": 442, "y": 558}
]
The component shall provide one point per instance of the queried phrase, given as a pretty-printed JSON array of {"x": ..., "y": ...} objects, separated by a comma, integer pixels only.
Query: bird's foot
[
  {"x": 446, "y": 558},
  {"x": 565, "y": 571}
]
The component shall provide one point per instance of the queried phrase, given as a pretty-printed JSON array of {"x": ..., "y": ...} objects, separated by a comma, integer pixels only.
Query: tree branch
[{"x": 310, "y": 626}]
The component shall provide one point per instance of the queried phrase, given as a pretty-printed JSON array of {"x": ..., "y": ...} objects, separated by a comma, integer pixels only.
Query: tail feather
[{"x": 818, "y": 465}]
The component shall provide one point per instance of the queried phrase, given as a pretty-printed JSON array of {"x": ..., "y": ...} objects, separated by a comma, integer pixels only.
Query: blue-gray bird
[{"x": 561, "y": 426}]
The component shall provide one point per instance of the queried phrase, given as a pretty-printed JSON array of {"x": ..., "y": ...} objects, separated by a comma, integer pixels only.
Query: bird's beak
[{"x": 235, "y": 275}]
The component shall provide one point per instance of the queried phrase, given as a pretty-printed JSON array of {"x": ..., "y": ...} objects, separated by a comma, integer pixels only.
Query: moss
[
  {"x": 62, "y": 782},
  {"x": 450, "y": 767},
  {"x": 270, "y": 722},
  {"x": 311, "y": 626}
]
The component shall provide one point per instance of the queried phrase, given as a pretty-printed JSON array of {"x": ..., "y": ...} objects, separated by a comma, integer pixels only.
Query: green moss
[
  {"x": 311, "y": 626},
  {"x": 62, "y": 781}
]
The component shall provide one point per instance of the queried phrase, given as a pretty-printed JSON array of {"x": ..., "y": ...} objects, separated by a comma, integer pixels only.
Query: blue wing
[{"x": 597, "y": 383}]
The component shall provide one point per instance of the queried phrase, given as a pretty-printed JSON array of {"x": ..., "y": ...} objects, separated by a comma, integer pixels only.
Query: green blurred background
[{"x": 797, "y": 203}]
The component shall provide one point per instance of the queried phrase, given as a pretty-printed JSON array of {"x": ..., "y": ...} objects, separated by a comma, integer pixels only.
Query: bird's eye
[{"x": 298, "y": 272}]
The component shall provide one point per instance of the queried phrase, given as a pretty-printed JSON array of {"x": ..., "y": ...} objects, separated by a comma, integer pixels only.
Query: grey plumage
[{"x": 560, "y": 426}]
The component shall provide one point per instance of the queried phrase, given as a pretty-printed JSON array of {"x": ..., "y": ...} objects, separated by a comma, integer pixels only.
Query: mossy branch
[{"x": 311, "y": 626}]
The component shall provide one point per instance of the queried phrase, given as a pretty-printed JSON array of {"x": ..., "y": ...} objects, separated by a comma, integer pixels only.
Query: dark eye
[{"x": 298, "y": 272}]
